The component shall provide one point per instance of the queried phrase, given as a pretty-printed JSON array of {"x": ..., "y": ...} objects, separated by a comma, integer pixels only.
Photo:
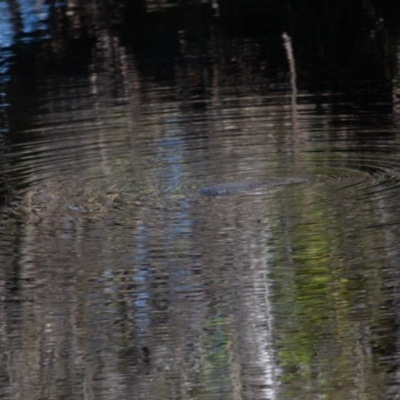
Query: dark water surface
[{"x": 120, "y": 280}]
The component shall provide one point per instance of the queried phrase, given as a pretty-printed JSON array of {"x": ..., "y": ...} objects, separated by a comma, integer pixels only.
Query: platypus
[{"x": 228, "y": 189}]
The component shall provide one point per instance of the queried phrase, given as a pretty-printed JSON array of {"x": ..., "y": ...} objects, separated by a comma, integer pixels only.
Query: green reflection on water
[{"x": 328, "y": 301}]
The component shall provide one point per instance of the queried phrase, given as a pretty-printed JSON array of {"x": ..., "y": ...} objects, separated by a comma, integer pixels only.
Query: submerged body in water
[{"x": 228, "y": 189}]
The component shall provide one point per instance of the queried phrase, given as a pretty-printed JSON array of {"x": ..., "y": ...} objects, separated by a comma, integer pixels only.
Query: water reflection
[
  {"x": 121, "y": 280},
  {"x": 22, "y": 21}
]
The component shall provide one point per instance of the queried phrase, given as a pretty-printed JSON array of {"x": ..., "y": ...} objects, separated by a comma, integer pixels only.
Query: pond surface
[{"x": 121, "y": 280}]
